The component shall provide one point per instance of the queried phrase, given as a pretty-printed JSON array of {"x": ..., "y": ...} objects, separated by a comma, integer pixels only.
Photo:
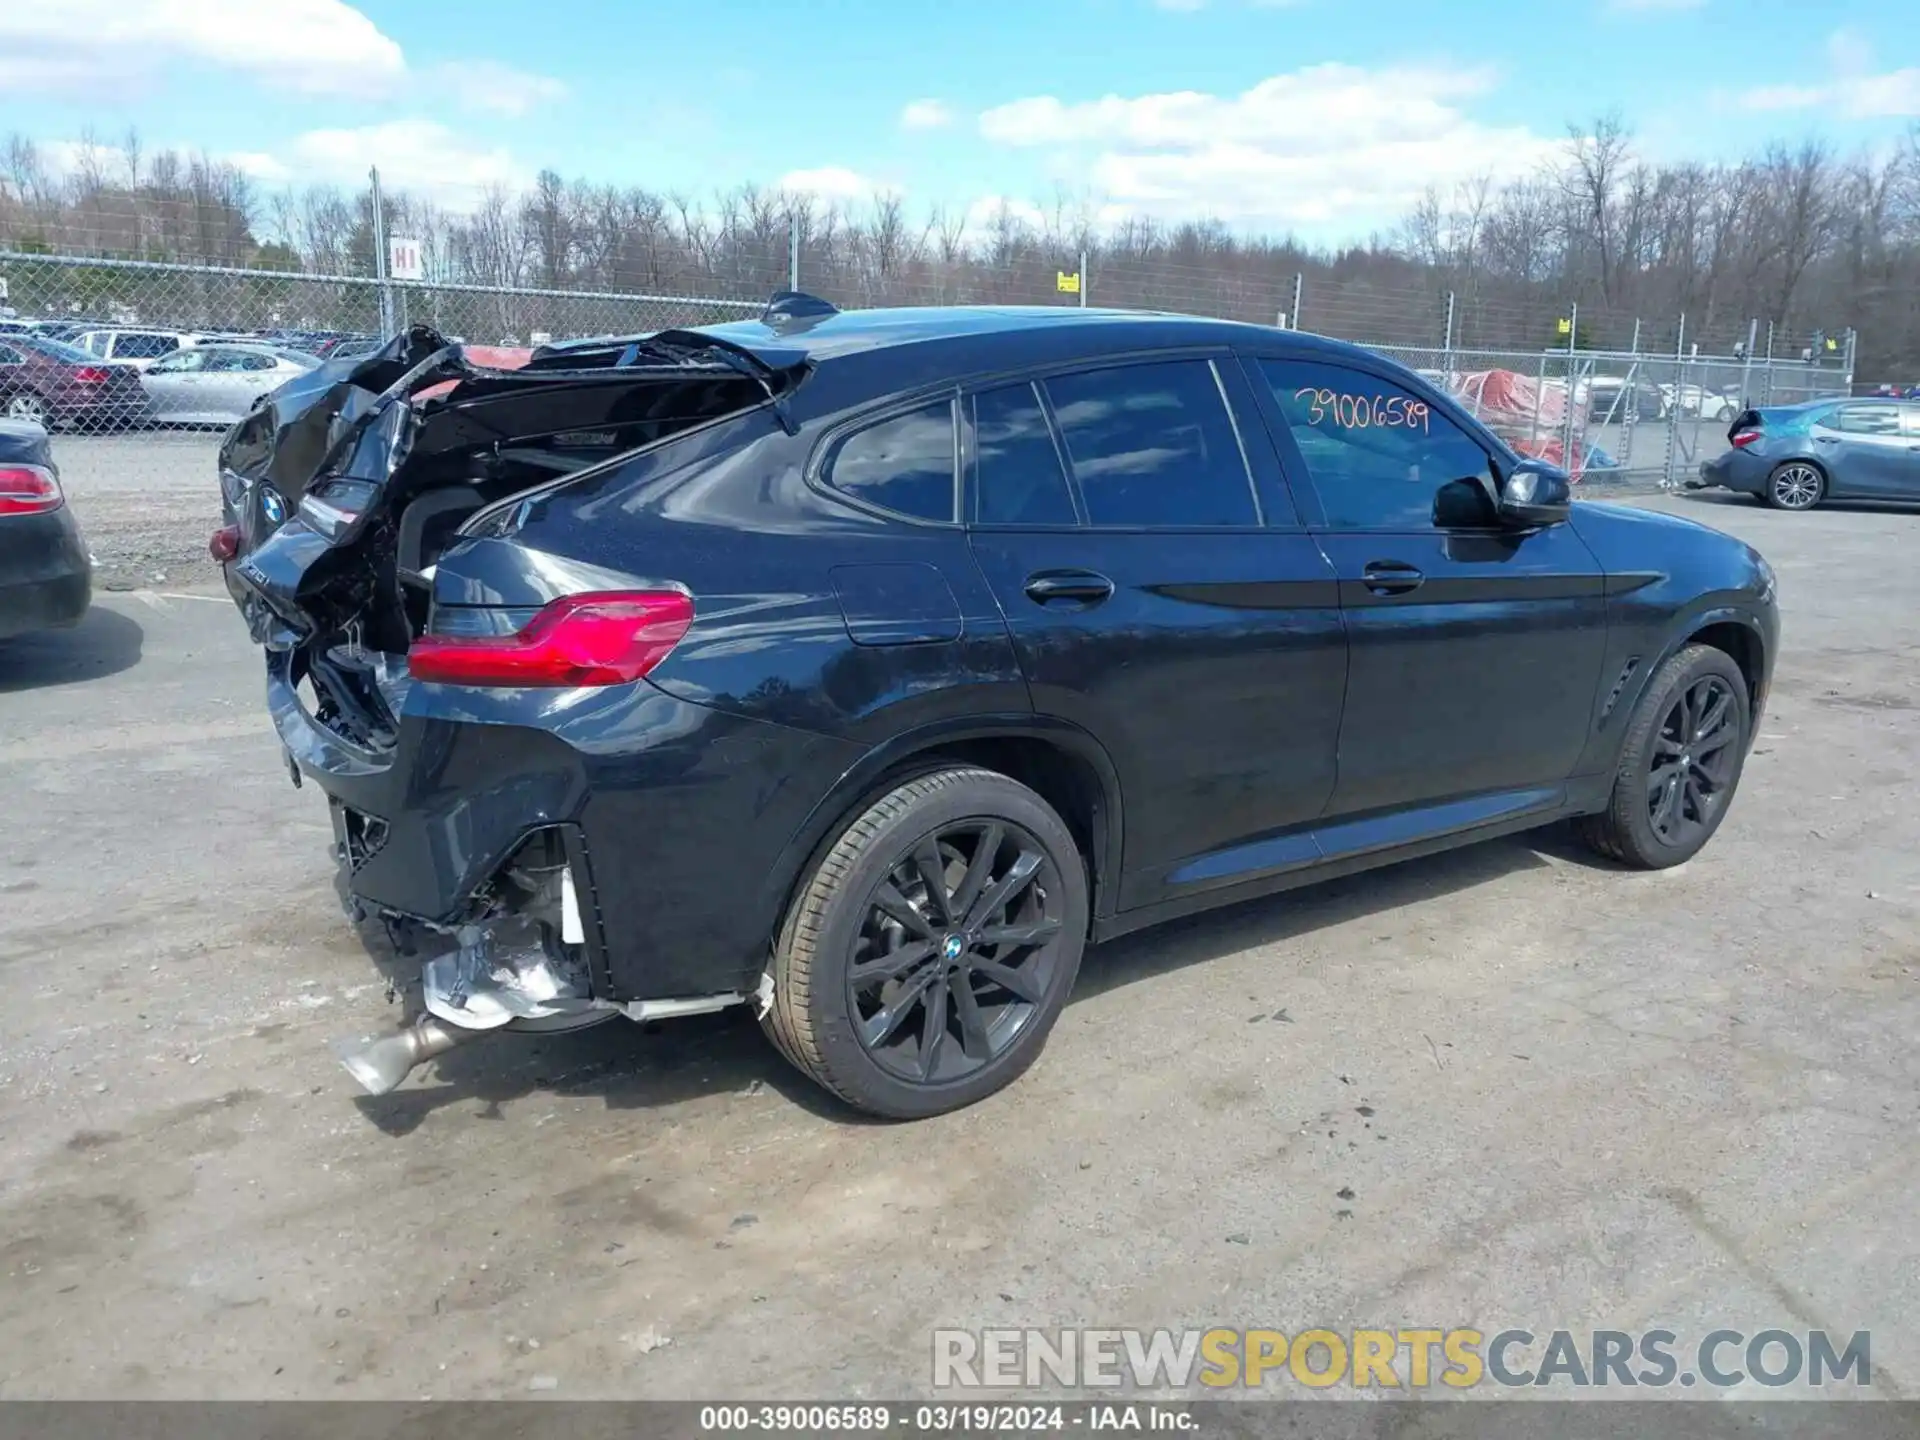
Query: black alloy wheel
[
  {"x": 1680, "y": 762},
  {"x": 1692, "y": 768},
  {"x": 959, "y": 945},
  {"x": 928, "y": 952}
]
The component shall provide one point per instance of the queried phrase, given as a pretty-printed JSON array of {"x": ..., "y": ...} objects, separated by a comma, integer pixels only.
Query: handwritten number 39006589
[{"x": 1360, "y": 412}]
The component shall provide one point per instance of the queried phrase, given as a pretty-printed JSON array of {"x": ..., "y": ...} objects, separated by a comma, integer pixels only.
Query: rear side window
[
  {"x": 144, "y": 347},
  {"x": 1153, "y": 445},
  {"x": 1018, "y": 476},
  {"x": 904, "y": 463},
  {"x": 1869, "y": 419},
  {"x": 10, "y": 356}
]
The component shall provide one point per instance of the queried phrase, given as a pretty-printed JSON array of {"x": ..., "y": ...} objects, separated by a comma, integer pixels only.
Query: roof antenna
[{"x": 795, "y": 309}]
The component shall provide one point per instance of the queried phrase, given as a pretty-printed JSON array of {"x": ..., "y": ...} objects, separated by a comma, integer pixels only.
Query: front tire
[
  {"x": 1679, "y": 763},
  {"x": 1796, "y": 485},
  {"x": 927, "y": 956}
]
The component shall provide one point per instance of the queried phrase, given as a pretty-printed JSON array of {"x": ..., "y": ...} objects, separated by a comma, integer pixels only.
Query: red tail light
[
  {"x": 603, "y": 639},
  {"x": 1740, "y": 439},
  {"x": 92, "y": 375},
  {"x": 224, "y": 543},
  {"x": 28, "y": 490}
]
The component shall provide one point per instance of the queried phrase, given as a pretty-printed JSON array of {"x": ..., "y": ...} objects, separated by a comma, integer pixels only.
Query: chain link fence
[{"x": 107, "y": 345}]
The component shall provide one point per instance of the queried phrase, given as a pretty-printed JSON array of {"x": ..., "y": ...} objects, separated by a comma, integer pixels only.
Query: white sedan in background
[{"x": 216, "y": 384}]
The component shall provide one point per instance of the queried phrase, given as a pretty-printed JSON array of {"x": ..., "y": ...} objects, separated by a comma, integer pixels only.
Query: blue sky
[{"x": 1321, "y": 116}]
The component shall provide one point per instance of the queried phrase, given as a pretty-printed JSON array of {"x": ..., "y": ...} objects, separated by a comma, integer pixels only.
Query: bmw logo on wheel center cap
[{"x": 954, "y": 947}]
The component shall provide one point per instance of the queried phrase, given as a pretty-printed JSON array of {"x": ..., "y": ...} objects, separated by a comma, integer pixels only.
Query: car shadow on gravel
[
  {"x": 640, "y": 1067},
  {"x": 105, "y": 642}
]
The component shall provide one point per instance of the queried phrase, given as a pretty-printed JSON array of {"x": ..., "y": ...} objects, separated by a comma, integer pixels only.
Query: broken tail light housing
[
  {"x": 28, "y": 490},
  {"x": 610, "y": 638}
]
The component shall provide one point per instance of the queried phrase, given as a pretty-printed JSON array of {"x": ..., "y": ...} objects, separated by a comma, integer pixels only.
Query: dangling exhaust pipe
[{"x": 380, "y": 1065}]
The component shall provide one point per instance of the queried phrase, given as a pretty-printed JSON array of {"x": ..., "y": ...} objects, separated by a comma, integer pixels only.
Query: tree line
[{"x": 1801, "y": 238}]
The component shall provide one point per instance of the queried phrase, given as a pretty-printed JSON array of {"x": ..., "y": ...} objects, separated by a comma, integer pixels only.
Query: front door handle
[
  {"x": 1391, "y": 577},
  {"x": 1084, "y": 587},
  {"x": 1827, "y": 439}
]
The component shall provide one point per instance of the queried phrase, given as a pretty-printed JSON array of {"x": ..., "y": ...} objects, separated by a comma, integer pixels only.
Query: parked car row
[{"x": 106, "y": 380}]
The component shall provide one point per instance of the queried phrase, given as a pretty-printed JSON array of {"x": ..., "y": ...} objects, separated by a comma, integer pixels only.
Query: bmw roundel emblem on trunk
[{"x": 271, "y": 505}]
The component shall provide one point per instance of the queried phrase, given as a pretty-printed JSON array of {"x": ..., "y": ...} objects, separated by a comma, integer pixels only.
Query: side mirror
[{"x": 1534, "y": 493}]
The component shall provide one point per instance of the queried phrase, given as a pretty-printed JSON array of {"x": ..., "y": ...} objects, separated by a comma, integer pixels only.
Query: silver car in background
[{"x": 217, "y": 383}]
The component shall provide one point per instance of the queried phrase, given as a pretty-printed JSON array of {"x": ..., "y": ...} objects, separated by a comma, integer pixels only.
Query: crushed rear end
[{"x": 438, "y": 683}]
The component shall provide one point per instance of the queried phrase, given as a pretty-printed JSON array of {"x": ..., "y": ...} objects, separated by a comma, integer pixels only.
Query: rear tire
[
  {"x": 1679, "y": 763},
  {"x": 25, "y": 405},
  {"x": 925, "y": 959},
  {"x": 1796, "y": 485}
]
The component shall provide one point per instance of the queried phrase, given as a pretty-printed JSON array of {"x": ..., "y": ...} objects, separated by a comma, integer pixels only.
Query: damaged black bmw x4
[{"x": 863, "y": 668}]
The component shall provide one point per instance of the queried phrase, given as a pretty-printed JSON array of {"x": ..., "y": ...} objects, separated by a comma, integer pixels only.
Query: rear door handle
[
  {"x": 1827, "y": 439},
  {"x": 1051, "y": 587},
  {"x": 1391, "y": 577}
]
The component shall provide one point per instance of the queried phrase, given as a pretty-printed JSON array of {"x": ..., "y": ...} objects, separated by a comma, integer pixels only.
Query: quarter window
[
  {"x": 1020, "y": 481},
  {"x": 1380, "y": 457},
  {"x": 1153, "y": 445},
  {"x": 904, "y": 464}
]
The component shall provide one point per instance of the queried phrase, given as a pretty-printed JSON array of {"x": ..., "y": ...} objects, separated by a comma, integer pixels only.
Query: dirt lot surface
[{"x": 1509, "y": 1085}]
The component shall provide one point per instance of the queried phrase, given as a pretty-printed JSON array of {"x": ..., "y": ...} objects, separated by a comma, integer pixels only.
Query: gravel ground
[
  {"x": 1509, "y": 1085},
  {"x": 146, "y": 503}
]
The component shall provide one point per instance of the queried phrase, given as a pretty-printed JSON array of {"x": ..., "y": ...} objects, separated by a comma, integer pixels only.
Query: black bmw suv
[{"x": 864, "y": 667}]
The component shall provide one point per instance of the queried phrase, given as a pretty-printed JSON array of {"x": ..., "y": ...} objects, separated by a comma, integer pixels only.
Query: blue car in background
[{"x": 1795, "y": 456}]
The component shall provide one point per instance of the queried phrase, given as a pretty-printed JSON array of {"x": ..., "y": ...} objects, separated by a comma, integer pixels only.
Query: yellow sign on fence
[
  {"x": 1563, "y": 326},
  {"x": 1068, "y": 284}
]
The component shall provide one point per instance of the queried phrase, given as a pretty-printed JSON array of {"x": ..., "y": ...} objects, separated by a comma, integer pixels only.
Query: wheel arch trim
[{"x": 861, "y": 783}]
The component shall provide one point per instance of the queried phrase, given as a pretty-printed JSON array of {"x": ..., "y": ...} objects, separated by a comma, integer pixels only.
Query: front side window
[
  {"x": 178, "y": 363},
  {"x": 1154, "y": 446},
  {"x": 1019, "y": 479},
  {"x": 1379, "y": 455},
  {"x": 904, "y": 463}
]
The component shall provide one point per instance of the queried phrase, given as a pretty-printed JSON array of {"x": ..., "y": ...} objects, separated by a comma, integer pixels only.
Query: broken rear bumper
[{"x": 677, "y": 818}]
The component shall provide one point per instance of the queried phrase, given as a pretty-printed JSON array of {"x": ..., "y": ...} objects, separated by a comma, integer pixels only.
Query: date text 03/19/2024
[{"x": 940, "y": 1419}]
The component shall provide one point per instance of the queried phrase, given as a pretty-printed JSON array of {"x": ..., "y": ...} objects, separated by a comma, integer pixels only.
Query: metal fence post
[
  {"x": 1293, "y": 315},
  {"x": 1573, "y": 340},
  {"x": 793, "y": 250},
  {"x": 1769, "y": 378},
  {"x": 1668, "y": 470},
  {"x": 1746, "y": 362},
  {"x": 380, "y": 257},
  {"x": 1852, "y": 339},
  {"x": 1083, "y": 280},
  {"x": 1446, "y": 366}
]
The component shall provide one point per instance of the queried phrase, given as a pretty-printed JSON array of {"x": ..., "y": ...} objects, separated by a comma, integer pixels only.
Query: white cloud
[
  {"x": 422, "y": 157},
  {"x": 925, "y": 115},
  {"x": 834, "y": 182},
  {"x": 497, "y": 88},
  {"x": 1855, "y": 92},
  {"x": 311, "y": 46},
  {"x": 1782, "y": 97},
  {"x": 1330, "y": 144}
]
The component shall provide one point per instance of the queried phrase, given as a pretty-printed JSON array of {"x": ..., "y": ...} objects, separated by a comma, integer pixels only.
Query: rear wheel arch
[{"x": 1060, "y": 762}]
